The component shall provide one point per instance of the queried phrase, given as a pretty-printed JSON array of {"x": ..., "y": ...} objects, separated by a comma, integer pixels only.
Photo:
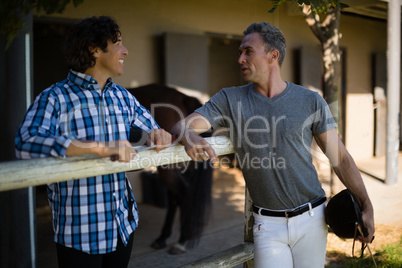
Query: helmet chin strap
[{"x": 358, "y": 229}]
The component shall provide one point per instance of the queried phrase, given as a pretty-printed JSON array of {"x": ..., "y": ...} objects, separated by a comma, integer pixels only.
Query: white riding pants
[{"x": 299, "y": 242}]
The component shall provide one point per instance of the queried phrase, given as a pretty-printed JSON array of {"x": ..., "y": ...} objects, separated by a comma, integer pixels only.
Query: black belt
[{"x": 289, "y": 213}]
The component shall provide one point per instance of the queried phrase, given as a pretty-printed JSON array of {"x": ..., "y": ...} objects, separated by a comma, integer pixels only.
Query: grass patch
[{"x": 390, "y": 256}]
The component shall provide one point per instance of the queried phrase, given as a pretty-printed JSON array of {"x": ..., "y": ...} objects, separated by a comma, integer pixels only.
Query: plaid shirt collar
[{"x": 84, "y": 81}]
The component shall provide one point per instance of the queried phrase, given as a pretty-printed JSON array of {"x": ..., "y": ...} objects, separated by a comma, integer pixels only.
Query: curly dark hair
[{"x": 93, "y": 31}]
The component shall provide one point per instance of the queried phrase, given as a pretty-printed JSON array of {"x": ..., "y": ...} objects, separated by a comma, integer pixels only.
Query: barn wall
[{"x": 144, "y": 22}]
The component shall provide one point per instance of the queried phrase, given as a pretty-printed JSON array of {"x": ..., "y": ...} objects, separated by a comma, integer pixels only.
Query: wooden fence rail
[
  {"x": 33, "y": 172},
  {"x": 227, "y": 258}
]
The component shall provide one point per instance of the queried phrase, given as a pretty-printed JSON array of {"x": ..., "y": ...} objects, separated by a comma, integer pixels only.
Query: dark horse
[{"x": 189, "y": 186}]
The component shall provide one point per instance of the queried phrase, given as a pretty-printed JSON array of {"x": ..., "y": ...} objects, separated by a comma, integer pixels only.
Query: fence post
[
  {"x": 248, "y": 225},
  {"x": 393, "y": 90}
]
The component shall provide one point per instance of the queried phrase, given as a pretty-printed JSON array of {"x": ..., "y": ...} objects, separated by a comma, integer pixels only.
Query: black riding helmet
[{"x": 343, "y": 214}]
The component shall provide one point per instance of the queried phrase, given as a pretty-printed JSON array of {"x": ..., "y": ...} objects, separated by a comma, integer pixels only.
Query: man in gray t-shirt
[
  {"x": 272, "y": 137},
  {"x": 272, "y": 124}
]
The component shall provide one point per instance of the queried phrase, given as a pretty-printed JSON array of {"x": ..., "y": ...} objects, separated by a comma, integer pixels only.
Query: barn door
[
  {"x": 224, "y": 70},
  {"x": 186, "y": 61}
]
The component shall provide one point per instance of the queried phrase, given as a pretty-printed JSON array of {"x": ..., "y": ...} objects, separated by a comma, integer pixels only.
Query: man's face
[
  {"x": 253, "y": 58},
  {"x": 111, "y": 61}
]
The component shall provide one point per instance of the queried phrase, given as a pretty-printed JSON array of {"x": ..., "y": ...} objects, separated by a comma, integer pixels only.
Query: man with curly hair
[{"x": 93, "y": 218}]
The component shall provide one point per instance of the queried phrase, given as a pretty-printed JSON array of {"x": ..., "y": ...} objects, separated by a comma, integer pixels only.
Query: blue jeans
[{"x": 299, "y": 241}]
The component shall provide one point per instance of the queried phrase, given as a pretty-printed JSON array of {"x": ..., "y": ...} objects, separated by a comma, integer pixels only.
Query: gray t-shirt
[{"x": 272, "y": 138}]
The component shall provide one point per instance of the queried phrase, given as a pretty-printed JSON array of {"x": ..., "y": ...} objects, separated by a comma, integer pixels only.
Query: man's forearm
[
  {"x": 120, "y": 150},
  {"x": 350, "y": 176},
  {"x": 80, "y": 147},
  {"x": 190, "y": 127}
]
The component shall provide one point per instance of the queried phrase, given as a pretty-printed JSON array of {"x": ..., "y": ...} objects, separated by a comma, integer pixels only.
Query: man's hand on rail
[
  {"x": 159, "y": 137},
  {"x": 187, "y": 132},
  {"x": 198, "y": 148},
  {"x": 121, "y": 151}
]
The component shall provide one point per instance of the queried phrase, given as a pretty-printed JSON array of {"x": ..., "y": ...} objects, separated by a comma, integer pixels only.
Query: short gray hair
[{"x": 272, "y": 37}]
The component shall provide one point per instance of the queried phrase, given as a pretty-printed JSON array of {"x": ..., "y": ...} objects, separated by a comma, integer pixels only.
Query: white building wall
[{"x": 142, "y": 22}]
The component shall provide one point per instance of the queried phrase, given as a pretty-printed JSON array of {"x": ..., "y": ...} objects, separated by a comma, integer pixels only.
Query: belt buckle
[{"x": 287, "y": 215}]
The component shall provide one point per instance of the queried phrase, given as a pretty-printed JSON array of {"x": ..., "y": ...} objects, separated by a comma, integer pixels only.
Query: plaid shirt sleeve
[
  {"x": 37, "y": 135},
  {"x": 143, "y": 118}
]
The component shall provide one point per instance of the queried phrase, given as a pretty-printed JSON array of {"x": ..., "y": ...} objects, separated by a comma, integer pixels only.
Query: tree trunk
[{"x": 327, "y": 32}]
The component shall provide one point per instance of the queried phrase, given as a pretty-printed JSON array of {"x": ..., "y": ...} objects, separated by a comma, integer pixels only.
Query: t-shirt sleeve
[
  {"x": 216, "y": 110},
  {"x": 323, "y": 119}
]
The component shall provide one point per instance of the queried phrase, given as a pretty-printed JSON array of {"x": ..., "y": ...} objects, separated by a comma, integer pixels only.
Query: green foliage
[
  {"x": 12, "y": 13},
  {"x": 317, "y": 6},
  {"x": 390, "y": 256}
]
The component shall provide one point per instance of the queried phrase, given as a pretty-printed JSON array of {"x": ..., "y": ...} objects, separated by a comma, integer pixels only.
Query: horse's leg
[
  {"x": 180, "y": 247},
  {"x": 194, "y": 209},
  {"x": 169, "y": 178},
  {"x": 160, "y": 242}
]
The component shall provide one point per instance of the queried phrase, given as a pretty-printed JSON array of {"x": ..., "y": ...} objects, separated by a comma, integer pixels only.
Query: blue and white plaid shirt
[{"x": 90, "y": 213}]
